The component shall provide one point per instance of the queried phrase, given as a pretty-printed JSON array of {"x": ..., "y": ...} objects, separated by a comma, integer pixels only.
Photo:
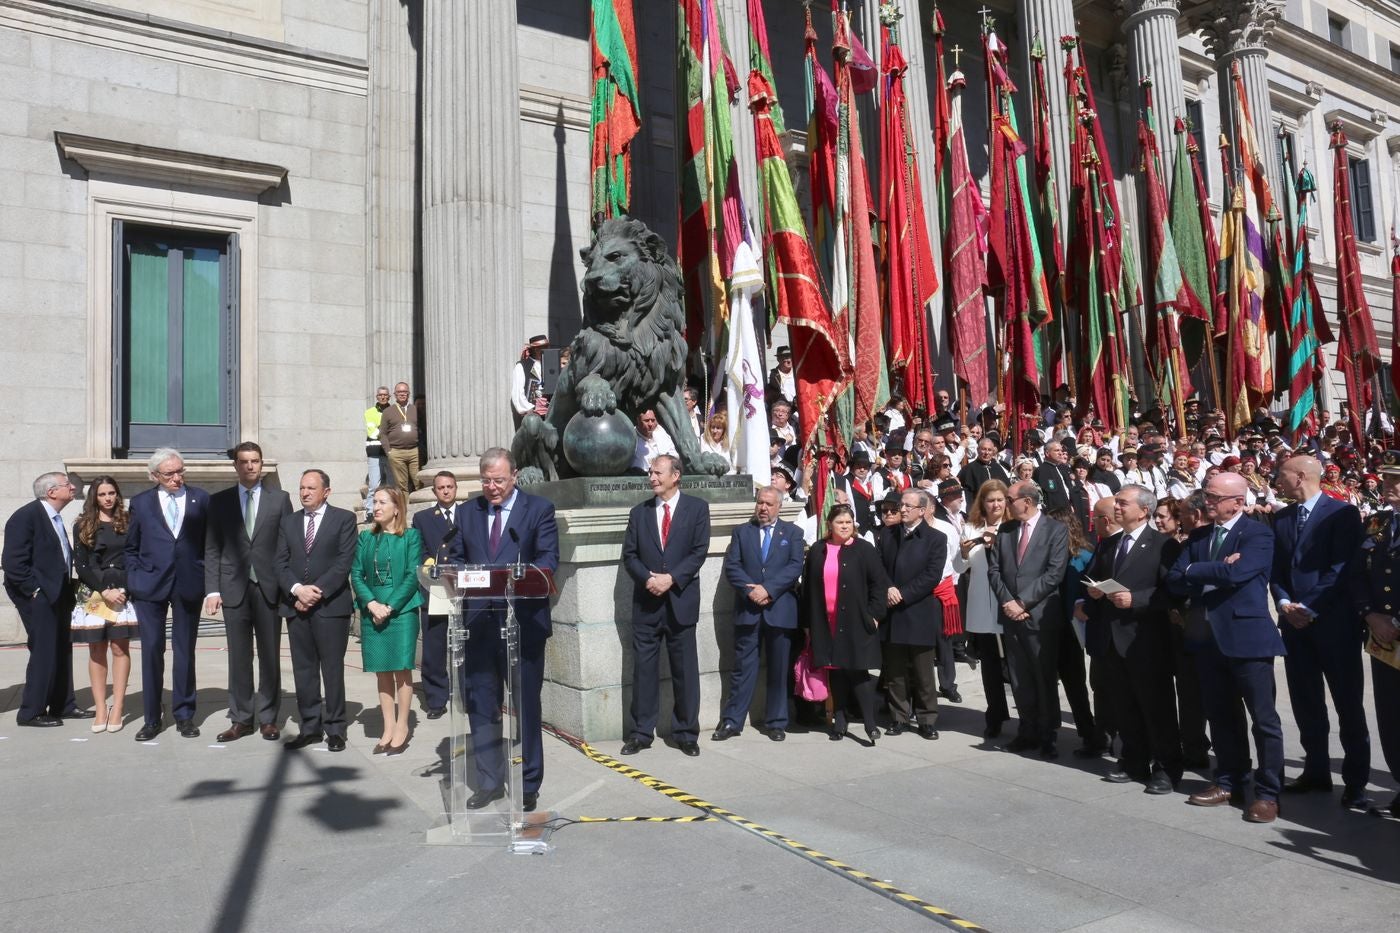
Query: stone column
[
  {"x": 1048, "y": 20},
  {"x": 472, "y": 265},
  {"x": 1239, "y": 32},
  {"x": 1155, "y": 47},
  {"x": 392, "y": 138}
]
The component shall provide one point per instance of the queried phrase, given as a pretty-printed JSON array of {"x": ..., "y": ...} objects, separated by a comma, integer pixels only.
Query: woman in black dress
[
  {"x": 844, "y": 600},
  {"x": 103, "y": 616}
]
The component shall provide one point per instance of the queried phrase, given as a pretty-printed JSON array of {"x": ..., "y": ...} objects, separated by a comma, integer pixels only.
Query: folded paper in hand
[{"x": 1107, "y": 587}]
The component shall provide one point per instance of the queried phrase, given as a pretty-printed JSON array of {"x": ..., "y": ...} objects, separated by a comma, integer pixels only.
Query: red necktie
[
  {"x": 495, "y": 531},
  {"x": 665, "y": 522},
  {"x": 1024, "y": 542}
]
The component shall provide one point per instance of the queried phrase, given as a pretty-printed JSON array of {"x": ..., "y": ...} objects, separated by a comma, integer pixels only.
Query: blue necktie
[
  {"x": 1303, "y": 512},
  {"x": 63, "y": 536},
  {"x": 767, "y": 539},
  {"x": 172, "y": 512}
]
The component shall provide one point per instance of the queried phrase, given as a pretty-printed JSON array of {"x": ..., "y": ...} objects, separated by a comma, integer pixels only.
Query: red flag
[
  {"x": 616, "y": 117},
  {"x": 1357, "y": 352},
  {"x": 1395, "y": 320}
]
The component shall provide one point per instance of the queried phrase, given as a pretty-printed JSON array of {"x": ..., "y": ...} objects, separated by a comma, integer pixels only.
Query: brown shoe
[
  {"x": 1212, "y": 796},
  {"x": 270, "y": 731},
  {"x": 1262, "y": 811},
  {"x": 236, "y": 731}
]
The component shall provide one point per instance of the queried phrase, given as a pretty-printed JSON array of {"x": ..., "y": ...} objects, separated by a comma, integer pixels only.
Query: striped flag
[
  {"x": 1197, "y": 249},
  {"x": 1051, "y": 337},
  {"x": 1358, "y": 355},
  {"x": 616, "y": 117},
  {"x": 1305, "y": 359}
]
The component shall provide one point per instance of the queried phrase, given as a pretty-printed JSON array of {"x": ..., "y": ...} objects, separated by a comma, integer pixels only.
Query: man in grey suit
[
  {"x": 314, "y": 552},
  {"x": 1025, "y": 568},
  {"x": 240, "y": 577}
]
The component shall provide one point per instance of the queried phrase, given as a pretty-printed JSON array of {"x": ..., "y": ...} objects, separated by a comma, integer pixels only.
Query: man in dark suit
[
  {"x": 165, "y": 574},
  {"x": 663, "y": 550},
  {"x": 505, "y": 525},
  {"x": 314, "y": 551},
  {"x": 763, "y": 563},
  {"x": 1224, "y": 569},
  {"x": 38, "y": 561},
  {"x": 1314, "y": 540},
  {"x": 1025, "y": 568},
  {"x": 914, "y": 554},
  {"x": 984, "y": 468},
  {"x": 437, "y": 525},
  {"x": 1137, "y": 656},
  {"x": 240, "y": 576}
]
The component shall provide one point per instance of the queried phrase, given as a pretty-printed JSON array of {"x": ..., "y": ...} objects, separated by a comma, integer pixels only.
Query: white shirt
[
  {"x": 649, "y": 449},
  {"x": 661, "y": 513},
  {"x": 522, "y": 403},
  {"x": 951, "y": 535}
]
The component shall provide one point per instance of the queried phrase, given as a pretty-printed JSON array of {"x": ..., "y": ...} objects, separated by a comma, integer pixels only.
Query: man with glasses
[
  {"x": 914, "y": 555},
  {"x": 398, "y": 432},
  {"x": 375, "y": 464},
  {"x": 165, "y": 575},
  {"x": 1224, "y": 569}
]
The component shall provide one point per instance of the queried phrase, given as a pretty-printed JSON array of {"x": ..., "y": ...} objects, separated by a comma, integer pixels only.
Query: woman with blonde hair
[
  {"x": 980, "y": 615},
  {"x": 384, "y": 577},
  {"x": 103, "y": 615},
  {"x": 715, "y": 438}
]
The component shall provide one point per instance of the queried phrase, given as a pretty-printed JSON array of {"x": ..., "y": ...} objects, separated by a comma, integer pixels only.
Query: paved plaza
[{"x": 105, "y": 834}]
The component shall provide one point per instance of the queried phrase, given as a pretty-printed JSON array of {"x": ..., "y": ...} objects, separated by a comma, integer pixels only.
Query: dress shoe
[
  {"x": 632, "y": 746},
  {"x": 79, "y": 714},
  {"x": 303, "y": 740},
  {"x": 871, "y": 735},
  {"x": 1159, "y": 783},
  {"x": 896, "y": 728},
  {"x": 437, "y": 712},
  {"x": 187, "y": 728},
  {"x": 992, "y": 730},
  {"x": 114, "y": 724},
  {"x": 1090, "y": 750},
  {"x": 951, "y": 695},
  {"x": 396, "y": 749},
  {"x": 99, "y": 727},
  {"x": 1303, "y": 784},
  {"x": 269, "y": 731},
  {"x": 381, "y": 747},
  {"x": 40, "y": 721},
  {"x": 689, "y": 749},
  {"x": 1262, "y": 811},
  {"x": 1119, "y": 776},
  {"x": 1391, "y": 809},
  {"x": 1049, "y": 752},
  {"x": 834, "y": 734},
  {"x": 1355, "y": 798},
  {"x": 234, "y": 732},
  {"x": 726, "y": 730},
  {"x": 335, "y": 743},
  {"x": 928, "y": 732},
  {"x": 1021, "y": 744},
  {"x": 482, "y": 797},
  {"x": 777, "y": 735},
  {"x": 149, "y": 731},
  {"x": 529, "y": 802},
  {"x": 1213, "y": 796}
]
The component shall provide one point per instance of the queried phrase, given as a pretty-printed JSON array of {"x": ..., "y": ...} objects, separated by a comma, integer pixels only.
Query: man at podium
[{"x": 504, "y": 525}]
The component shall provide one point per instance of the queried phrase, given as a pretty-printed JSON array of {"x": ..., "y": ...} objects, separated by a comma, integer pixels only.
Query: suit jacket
[
  {"x": 744, "y": 564},
  {"x": 228, "y": 551},
  {"x": 1237, "y": 609},
  {"x": 536, "y": 542},
  {"x": 1054, "y": 482},
  {"x": 33, "y": 556},
  {"x": 160, "y": 566},
  {"x": 1311, "y": 568},
  {"x": 436, "y": 530},
  {"x": 975, "y": 473},
  {"x": 1143, "y": 571},
  {"x": 1034, "y": 581},
  {"x": 682, "y": 558},
  {"x": 914, "y": 565},
  {"x": 327, "y": 566}
]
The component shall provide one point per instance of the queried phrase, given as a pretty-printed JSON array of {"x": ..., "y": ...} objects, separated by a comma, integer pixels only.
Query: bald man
[
  {"x": 1314, "y": 540},
  {"x": 1224, "y": 570}
]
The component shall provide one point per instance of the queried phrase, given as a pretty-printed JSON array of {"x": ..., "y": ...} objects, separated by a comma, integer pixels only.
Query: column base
[{"x": 466, "y": 469}]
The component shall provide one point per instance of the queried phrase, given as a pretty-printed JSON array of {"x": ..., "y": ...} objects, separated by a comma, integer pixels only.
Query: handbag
[
  {"x": 811, "y": 682},
  {"x": 1386, "y": 654}
]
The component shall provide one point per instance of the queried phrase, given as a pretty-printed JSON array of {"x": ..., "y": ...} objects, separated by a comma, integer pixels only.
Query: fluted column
[
  {"x": 393, "y": 170},
  {"x": 472, "y": 285},
  {"x": 1155, "y": 49},
  {"x": 1238, "y": 31},
  {"x": 1048, "y": 20}
]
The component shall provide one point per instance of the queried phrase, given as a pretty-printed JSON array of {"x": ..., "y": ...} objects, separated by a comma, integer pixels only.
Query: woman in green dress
[{"x": 385, "y": 579}]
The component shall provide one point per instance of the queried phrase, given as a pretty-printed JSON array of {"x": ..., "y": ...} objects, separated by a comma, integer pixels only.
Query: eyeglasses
[
  {"x": 170, "y": 474},
  {"x": 1211, "y": 497},
  {"x": 911, "y": 508}
]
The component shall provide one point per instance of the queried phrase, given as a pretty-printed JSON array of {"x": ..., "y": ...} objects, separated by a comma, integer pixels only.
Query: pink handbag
[{"x": 811, "y": 683}]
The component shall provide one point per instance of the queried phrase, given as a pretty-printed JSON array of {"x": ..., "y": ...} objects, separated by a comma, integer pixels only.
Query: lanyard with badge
[{"x": 406, "y": 427}]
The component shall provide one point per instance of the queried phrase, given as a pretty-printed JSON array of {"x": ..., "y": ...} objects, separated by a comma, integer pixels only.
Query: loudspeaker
[{"x": 550, "y": 370}]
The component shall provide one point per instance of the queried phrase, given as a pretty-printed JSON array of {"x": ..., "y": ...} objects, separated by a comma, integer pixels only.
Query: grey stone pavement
[{"x": 105, "y": 834}]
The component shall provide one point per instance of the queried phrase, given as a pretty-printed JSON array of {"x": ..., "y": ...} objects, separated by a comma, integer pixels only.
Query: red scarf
[{"x": 947, "y": 594}]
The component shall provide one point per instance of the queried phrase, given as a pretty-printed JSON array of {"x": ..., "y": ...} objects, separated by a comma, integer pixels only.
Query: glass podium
[{"x": 481, "y": 602}]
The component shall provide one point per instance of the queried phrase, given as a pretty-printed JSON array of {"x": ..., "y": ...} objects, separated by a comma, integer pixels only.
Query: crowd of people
[{"x": 1154, "y": 576}]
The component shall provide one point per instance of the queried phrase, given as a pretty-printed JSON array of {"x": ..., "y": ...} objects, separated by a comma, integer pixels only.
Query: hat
[
  {"x": 1096, "y": 424},
  {"x": 539, "y": 340},
  {"x": 893, "y": 499},
  {"x": 1087, "y": 452},
  {"x": 1193, "y": 400},
  {"x": 858, "y": 458},
  {"x": 1332, "y": 466},
  {"x": 786, "y": 470},
  {"x": 894, "y": 447},
  {"x": 945, "y": 424},
  {"x": 949, "y": 487},
  {"x": 773, "y": 438},
  {"x": 1128, "y": 452},
  {"x": 785, "y": 353},
  {"x": 1229, "y": 462}
]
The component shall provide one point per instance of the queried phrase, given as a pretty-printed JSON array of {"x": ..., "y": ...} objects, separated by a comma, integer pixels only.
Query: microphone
[{"x": 519, "y": 570}]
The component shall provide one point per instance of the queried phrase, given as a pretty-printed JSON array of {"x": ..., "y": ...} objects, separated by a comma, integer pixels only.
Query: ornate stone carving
[{"x": 1229, "y": 26}]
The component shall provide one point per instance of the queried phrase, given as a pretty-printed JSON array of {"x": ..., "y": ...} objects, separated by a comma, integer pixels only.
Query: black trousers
[
  {"x": 318, "y": 661},
  {"x": 1190, "y": 710},
  {"x": 845, "y": 685},
  {"x": 254, "y": 622},
  {"x": 434, "y": 664},
  {"x": 646, "y": 678},
  {"x": 48, "y": 676},
  {"x": 1033, "y": 656},
  {"x": 899, "y": 663},
  {"x": 1141, "y": 687},
  {"x": 1326, "y": 657},
  {"x": 993, "y": 667},
  {"x": 1070, "y": 668},
  {"x": 1385, "y": 691},
  {"x": 947, "y": 664}
]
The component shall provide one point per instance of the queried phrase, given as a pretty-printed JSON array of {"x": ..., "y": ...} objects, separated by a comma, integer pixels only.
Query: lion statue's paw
[
  {"x": 595, "y": 396},
  {"x": 529, "y": 476},
  {"x": 713, "y": 464}
]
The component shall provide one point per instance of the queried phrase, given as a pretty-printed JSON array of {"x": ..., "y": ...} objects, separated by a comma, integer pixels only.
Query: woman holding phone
[{"x": 980, "y": 619}]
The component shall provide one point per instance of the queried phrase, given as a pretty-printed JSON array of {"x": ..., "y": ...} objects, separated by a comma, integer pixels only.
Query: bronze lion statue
[{"x": 629, "y": 356}]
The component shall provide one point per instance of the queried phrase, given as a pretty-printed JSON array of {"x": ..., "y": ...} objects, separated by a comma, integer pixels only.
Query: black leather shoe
[
  {"x": 928, "y": 732},
  {"x": 834, "y": 734},
  {"x": 482, "y": 797},
  {"x": 1355, "y": 798},
  {"x": 1090, "y": 751},
  {"x": 896, "y": 728},
  {"x": 992, "y": 731},
  {"x": 951, "y": 695},
  {"x": 726, "y": 730},
  {"x": 149, "y": 731},
  {"x": 1393, "y": 808},
  {"x": 1119, "y": 776},
  {"x": 187, "y": 728},
  {"x": 301, "y": 741},
  {"x": 777, "y": 735},
  {"x": 529, "y": 802},
  {"x": 436, "y": 712},
  {"x": 632, "y": 746},
  {"x": 1021, "y": 744},
  {"x": 872, "y": 735},
  {"x": 79, "y": 714},
  {"x": 1049, "y": 752},
  {"x": 690, "y": 749},
  {"x": 1159, "y": 783},
  {"x": 41, "y": 721},
  {"x": 1304, "y": 784},
  {"x": 335, "y": 743}
]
